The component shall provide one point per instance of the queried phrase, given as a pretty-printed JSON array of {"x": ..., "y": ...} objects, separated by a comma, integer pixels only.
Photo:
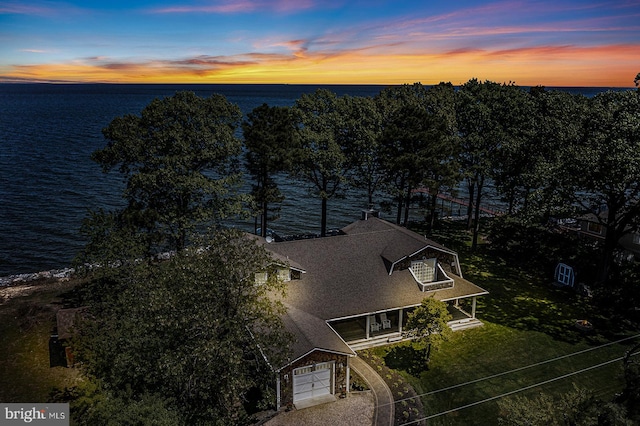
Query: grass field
[{"x": 527, "y": 321}]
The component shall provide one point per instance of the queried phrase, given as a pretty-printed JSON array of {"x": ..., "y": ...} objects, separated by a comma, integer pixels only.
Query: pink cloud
[
  {"x": 45, "y": 8},
  {"x": 242, "y": 6},
  {"x": 25, "y": 9}
]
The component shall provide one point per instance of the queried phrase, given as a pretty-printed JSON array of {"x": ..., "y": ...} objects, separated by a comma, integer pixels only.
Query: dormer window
[
  {"x": 430, "y": 275},
  {"x": 424, "y": 270}
]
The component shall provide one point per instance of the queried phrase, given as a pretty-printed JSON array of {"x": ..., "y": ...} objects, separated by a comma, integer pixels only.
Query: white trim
[
  {"x": 465, "y": 296},
  {"x": 352, "y": 354},
  {"x": 393, "y": 264},
  {"x": 374, "y": 312},
  {"x": 564, "y": 274}
]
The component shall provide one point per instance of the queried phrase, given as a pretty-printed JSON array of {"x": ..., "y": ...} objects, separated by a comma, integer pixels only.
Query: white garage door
[{"x": 312, "y": 381}]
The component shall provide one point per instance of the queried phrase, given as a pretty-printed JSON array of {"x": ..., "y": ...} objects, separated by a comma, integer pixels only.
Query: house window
[
  {"x": 596, "y": 228},
  {"x": 636, "y": 238},
  {"x": 284, "y": 274},
  {"x": 424, "y": 270},
  {"x": 261, "y": 278}
]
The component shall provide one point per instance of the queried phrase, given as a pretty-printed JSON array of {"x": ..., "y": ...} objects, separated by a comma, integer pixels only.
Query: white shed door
[{"x": 312, "y": 381}]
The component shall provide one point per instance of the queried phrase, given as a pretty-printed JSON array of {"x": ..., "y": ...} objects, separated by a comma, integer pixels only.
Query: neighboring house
[
  {"x": 354, "y": 291},
  {"x": 590, "y": 225}
]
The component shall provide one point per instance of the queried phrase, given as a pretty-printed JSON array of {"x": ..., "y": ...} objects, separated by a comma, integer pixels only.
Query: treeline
[{"x": 549, "y": 153}]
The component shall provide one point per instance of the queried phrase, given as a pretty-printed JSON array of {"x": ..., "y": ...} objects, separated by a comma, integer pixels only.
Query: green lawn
[{"x": 527, "y": 321}]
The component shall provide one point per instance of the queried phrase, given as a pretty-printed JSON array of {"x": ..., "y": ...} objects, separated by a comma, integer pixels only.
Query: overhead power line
[
  {"x": 515, "y": 370},
  {"x": 545, "y": 382}
]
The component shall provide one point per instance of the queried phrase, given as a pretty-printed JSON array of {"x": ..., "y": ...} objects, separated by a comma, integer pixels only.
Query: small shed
[
  {"x": 60, "y": 353},
  {"x": 564, "y": 275}
]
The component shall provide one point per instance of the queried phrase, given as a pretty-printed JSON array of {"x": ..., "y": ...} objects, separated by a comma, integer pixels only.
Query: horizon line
[{"x": 64, "y": 82}]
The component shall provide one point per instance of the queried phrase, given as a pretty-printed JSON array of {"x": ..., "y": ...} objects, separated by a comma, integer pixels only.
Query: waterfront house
[{"x": 354, "y": 291}]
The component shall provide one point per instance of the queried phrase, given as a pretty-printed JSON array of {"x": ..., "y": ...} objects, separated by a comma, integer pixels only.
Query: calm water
[{"x": 48, "y": 182}]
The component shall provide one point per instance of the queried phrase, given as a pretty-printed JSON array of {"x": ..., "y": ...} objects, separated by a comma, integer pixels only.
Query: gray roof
[
  {"x": 66, "y": 319},
  {"x": 347, "y": 275},
  {"x": 312, "y": 333}
]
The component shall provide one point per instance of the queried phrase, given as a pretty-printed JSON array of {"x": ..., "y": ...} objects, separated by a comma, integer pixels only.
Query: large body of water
[{"x": 48, "y": 182}]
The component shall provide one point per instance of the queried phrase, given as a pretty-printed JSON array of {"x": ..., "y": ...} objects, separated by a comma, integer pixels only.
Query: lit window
[
  {"x": 284, "y": 274},
  {"x": 261, "y": 277}
]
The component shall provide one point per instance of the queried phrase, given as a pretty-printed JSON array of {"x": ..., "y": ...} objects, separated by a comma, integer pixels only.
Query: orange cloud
[{"x": 613, "y": 66}]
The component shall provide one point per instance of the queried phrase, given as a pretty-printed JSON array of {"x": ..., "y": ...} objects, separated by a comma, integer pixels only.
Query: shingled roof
[
  {"x": 312, "y": 333},
  {"x": 348, "y": 275}
]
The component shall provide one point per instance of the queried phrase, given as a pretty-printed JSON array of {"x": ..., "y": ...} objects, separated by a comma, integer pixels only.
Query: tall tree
[
  {"x": 270, "y": 137},
  {"x": 558, "y": 122},
  {"x": 362, "y": 130},
  {"x": 488, "y": 116},
  {"x": 417, "y": 139},
  {"x": 443, "y": 170},
  {"x": 195, "y": 328},
  {"x": 602, "y": 168},
  {"x": 322, "y": 158},
  {"x": 176, "y": 161}
]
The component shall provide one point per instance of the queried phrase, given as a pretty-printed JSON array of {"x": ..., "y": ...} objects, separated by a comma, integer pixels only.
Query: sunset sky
[{"x": 551, "y": 43}]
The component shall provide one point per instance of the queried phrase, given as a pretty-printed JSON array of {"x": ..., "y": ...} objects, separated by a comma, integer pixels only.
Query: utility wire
[
  {"x": 493, "y": 376},
  {"x": 519, "y": 390}
]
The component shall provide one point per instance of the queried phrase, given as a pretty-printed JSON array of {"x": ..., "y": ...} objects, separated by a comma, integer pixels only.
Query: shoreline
[{"x": 64, "y": 274}]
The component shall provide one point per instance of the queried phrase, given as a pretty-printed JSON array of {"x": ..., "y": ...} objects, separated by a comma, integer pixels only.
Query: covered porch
[{"x": 381, "y": 328}]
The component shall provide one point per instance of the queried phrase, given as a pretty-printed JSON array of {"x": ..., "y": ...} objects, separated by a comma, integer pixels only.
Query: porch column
[
  {"x": 348, "y": 376},
  {"x": 278, "y": 391},
  {"x": 400, "y": 321},
  {"x": 368, "y": 327},
  {"x": 473, "y": 307}
]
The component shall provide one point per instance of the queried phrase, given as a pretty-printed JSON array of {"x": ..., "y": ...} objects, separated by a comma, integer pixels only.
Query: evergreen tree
[
  {"x": 271, "y": 140},
  {"x": 322, "y": 160}
]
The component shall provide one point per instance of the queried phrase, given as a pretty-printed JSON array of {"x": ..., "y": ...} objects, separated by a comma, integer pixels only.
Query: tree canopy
[
  {"x": 176, "y": 161},
  {"x": 194, "y": 330},
  {"x": 601, "y": 168},
  {"x": 427, "y": 324},
  {"x": 417, "y": 141}
]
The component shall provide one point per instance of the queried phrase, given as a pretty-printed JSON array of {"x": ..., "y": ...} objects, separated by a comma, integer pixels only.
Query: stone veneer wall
[{"x": 315, "y": 357}]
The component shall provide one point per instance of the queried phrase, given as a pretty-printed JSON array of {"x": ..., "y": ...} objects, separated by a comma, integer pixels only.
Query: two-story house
[{"x": 354, "y": 291}]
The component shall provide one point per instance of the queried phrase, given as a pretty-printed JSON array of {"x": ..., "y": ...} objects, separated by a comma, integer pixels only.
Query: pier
[{"x": 460, "y": 202}]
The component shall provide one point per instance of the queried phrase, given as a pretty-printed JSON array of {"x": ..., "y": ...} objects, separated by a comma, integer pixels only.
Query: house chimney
[{"x": 366, "y": 214}]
